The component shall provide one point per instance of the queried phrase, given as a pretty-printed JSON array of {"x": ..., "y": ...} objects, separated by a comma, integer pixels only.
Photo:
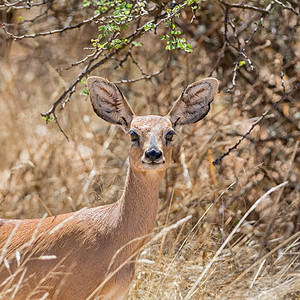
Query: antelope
[{"x": 91, "y": 253}]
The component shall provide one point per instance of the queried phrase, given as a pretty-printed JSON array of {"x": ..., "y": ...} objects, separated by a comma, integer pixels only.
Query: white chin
[{"x": 153, "y": 165}]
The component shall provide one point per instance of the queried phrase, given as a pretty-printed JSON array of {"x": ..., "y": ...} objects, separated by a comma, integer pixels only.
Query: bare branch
[
  {"x": 20, "y": 37},
  {"x": 28, "y": 4},
  {"x": 245, "y": 6},
  {"x": 60, "y": 128},
  {"x": 77, "y": 62},
  {"x": 234, "y": 147},
  {"x": 287, "y": 7},
  {"x": 147, "y": 77},
  {"x": 282, "y": 75},
  {"x": 220, "y": 55},
  {"x": 241, "y": 52}
]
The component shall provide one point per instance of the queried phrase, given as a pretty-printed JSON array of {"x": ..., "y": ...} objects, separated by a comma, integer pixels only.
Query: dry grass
[{"x": 40, "y": 172}]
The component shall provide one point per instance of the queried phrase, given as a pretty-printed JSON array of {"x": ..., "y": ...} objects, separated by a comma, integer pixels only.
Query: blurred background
[{"x": 153, "y": 50}]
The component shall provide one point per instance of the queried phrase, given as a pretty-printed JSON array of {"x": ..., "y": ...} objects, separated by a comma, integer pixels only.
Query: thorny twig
[
  {"x": 60, "y": 128},
  {"x": 282, "y": 75},
  {"x": 67, "y": 27},
  {"x": 287, "y": 7},
  {"x": 284, "y": 96},
  {"x": 74, "y": 64},
  {"x": 285, "y": 138},
  {"x": 241, "y": 52},
  {"x": 122, "y": 61},
  {"x": 96, "y": 51},
  {"x": 145, "y": 76},
  {"x": 220, "y": 55},
  {"x": 245, "y": 6},
  {"x": 39, "y": 16},
  {"x": 20, "y": 37},
  {"x": 28, "y": 4}
]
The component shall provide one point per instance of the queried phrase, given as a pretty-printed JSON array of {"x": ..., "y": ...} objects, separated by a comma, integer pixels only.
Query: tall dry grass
[{"x": 41, "y": 172}]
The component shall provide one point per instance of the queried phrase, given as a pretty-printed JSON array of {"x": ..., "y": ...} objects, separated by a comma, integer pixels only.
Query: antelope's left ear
[{"x": 194, "y": 103}]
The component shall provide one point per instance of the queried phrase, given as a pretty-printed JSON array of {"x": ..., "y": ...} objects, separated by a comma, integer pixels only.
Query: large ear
[
  {"x": 109, "y": 103},
  {"x": 194, "y": 103}
]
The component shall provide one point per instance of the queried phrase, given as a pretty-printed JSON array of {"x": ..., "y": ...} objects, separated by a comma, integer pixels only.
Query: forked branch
[{"x": 274, "y": 106}]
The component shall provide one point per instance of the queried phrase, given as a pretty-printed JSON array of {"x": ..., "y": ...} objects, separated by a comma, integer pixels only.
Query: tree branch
[
  {"x": 245, "y": 6},
  {"x": 234, "y": 147}
]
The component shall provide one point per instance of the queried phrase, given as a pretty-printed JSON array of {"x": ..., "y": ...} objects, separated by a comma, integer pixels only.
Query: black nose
[{"x": 153, "y": 154}]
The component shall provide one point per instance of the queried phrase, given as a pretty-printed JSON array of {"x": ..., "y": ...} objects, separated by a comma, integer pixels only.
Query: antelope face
[
  {"x": 152, "y": 142},
  {"x": 151, "y": 136}
]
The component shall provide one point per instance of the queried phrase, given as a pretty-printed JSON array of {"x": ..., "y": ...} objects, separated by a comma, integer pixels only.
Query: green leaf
[
  {"x": 84, "y": 91},
  {"x": 48, "y": 119},
  {"x": 137, "y": 44},
  {"x": 242, "y": 63}
]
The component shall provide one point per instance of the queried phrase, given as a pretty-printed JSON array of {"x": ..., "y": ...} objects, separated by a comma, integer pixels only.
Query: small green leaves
[
  {"x": 176, "y": 42},
  {"x": 84, "y": 91},
  {"x": 86, "y": 3},
  {"x": 137, "y": 44},
  {"x": 242, "y": 63},
  {"x": 118, "y": 15},
  {"x": 48, "y": 119},
  {"x": 179, "y": 43},
  {"x": 149, "y": 26}
]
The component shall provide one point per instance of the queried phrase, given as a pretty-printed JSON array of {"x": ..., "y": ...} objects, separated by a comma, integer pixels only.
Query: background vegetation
[{"x": 234, "y": 246}]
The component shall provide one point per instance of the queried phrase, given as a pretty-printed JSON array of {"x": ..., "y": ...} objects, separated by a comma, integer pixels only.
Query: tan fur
[{"x": 92, "y": 252}]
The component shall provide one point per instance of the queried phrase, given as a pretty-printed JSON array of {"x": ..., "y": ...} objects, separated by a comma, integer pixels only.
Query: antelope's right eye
[{"x": 134, "y": 136}]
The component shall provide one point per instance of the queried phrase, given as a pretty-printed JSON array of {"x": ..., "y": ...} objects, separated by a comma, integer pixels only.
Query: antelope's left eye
[
  {"x": 134, "y": 136},
  {"x": 169, "y": 136}
]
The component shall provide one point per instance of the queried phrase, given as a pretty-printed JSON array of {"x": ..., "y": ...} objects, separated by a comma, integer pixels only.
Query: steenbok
[{"x": 91, "y": 254}]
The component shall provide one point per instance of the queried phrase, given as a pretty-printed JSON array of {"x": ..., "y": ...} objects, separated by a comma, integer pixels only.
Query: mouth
[{"x": 153, "y": 164}]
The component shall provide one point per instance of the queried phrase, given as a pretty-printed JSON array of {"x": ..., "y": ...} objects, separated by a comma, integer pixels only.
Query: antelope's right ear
[
  {"x": 109, "y": 103},
  {"x": 194, "y": 103}
]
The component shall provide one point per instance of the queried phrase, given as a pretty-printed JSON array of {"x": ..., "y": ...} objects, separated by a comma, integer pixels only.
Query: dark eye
[
  {"x": 134, "y": 136},
  {"x": 169, "y": 136}
]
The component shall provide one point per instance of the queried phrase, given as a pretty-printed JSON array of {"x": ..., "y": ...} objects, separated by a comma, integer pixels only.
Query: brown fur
[{"x": 70, "y": 256}]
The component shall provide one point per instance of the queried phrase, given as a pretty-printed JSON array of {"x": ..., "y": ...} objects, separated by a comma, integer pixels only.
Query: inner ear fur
[
  {"x": 109, "y": 103},
  {"x": 194, "y": 103}
]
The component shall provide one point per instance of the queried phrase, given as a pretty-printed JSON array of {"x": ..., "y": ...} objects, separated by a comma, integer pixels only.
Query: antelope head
[{"x": 152, "y": 136}]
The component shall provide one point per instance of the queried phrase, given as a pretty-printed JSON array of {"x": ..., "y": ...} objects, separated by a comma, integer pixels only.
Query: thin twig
[
  {"x": 241, "y": 52},
  {"x": 282, "y": 75},
  {"x": 245, "y": 6},
  {"x": 287, "y": 7},
  {"x": 145, "y": 76},
  {"x": 220, "y": 55},
  {"x": 77, "y": 62},
  {"x": 28, "y": 5},
  {"x": 60, "y": 128},
  {"x": 219, "y": 159},
  {"x": 24, "y": 36}
]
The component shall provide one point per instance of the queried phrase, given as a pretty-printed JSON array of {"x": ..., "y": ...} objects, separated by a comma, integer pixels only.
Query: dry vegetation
[{"x": 43, "y": 173}]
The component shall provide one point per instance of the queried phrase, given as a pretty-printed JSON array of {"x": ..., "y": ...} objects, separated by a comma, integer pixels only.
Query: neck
[{"x": 138, "y": 204}]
